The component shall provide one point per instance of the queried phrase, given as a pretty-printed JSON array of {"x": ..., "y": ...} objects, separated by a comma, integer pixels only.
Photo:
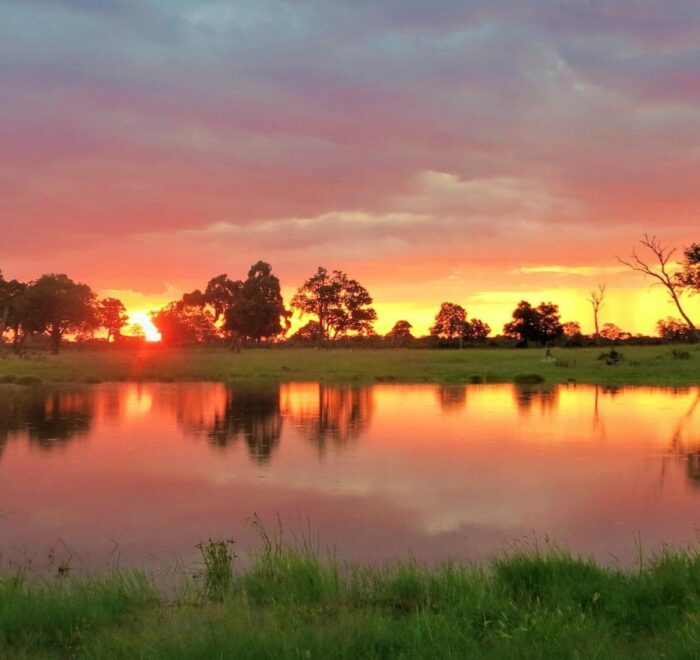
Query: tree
[
  {"x": 596, "y": 300},
  {"x": 112, "y": 316},
  {"x": 10, "y": 294},
  {"x": 540, "y": 324},
  {"x": 341, "y": 305},
  {"x": 689, "y": 276},
  {"x": 672, "y": 329},
  {"x": 258, "y": 310},
  {"x": 450, "y": 322},
  {"x": 57, "y": 305},
  {"x": 674, "y": 284},
  {"x": 476, "y": 331},
  {"x": 612, "y": 332},
  {"x": 400, "y": 334},
  {"x": 180, "y": 324},
  {"x": 571, "y": 328},
  {"x": 310, "y": 333}
]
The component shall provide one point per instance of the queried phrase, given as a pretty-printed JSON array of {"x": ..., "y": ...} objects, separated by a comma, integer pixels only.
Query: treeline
[{"x": 252, "y": 311}]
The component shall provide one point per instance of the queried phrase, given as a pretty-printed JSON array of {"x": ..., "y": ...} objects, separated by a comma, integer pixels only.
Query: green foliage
[
  {"x": 291, "y": 605},
  {"x": 218, "y": 559},
  {"x": 528, "y": 379}
]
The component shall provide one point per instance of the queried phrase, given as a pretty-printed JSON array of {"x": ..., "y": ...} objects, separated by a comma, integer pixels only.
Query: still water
[{"x": 372, "y": 473}]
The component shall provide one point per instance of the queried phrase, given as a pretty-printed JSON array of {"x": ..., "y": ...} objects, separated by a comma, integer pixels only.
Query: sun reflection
[{"x": 142, "y": 319}]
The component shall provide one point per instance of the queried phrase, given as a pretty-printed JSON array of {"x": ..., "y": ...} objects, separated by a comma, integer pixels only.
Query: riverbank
[
  {"x": 290, "y": 605},
  {"x": 640, "y": 365}
]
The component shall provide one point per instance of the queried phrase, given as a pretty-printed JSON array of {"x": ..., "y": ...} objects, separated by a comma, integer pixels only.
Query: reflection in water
[
  {"x": 253, "y": 415},
  {"x": 685, "y": 445},
  {"x": 544, "y": 399},
  {"x": 452, "y": 398},
  {"x": 329, "y": 414},
  {"x": 49, "y": 419},
  {"x": 428, "y": 473}
]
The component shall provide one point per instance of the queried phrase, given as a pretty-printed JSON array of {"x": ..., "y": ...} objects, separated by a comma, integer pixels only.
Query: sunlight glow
[{"x": 142, "y": 318}]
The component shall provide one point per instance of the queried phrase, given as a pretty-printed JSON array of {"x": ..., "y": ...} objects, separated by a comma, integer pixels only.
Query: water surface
[{"x": 377, "y": 473}]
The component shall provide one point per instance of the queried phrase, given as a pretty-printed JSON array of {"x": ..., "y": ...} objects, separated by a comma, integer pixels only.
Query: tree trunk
[
  {"x": 18, "y": 341},
  {"x": 691, "y": 326},
  {"x": 3, "y": 322},
  {"x": 55, "y": 340},
  {"x": 597, "y": 331}
]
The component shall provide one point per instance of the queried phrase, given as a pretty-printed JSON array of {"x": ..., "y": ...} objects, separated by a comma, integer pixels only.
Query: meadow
[
  {"x": 289, "y": 604},
  {"x": 640, "y": 365}
]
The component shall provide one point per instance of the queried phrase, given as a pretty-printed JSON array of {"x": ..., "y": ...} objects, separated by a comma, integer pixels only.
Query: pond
[{"x": 145, "y": 471}]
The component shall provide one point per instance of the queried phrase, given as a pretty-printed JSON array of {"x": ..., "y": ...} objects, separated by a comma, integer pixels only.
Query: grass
[
  {"x": 290, "y": 605},
  {"x": 641, "y": 365}
]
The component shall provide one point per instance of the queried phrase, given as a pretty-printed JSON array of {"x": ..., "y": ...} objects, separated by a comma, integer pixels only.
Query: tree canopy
[
  {"x": 341, "y": 305},
  {"x": 539, "y": 324}
]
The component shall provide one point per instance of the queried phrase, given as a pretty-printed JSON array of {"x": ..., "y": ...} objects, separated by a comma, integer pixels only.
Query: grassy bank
[
  {"x": 291, "y": 606},
  {"x": 642, "y": 365}
]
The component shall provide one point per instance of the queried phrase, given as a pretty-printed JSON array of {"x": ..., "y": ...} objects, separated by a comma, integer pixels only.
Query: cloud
[{"x": 407, "y": 140}]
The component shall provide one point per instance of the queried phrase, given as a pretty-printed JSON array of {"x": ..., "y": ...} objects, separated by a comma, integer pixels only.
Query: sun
[{"x": 142, "y": 318}]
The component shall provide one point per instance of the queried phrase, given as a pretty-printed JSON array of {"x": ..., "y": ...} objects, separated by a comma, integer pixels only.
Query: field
[
  {"x": 290, "y": 605},
  {"x": 641, "y": 365}
]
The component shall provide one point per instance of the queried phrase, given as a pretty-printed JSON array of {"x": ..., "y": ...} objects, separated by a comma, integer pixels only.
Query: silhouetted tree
[
  {"x": 57, "y": 305},
  {"x": 539, "y": 324},
  {"x": 258, "y": 311},
  {"x": 341, "y": 305},
  {"x": 476, "y": 331},
  {"x": 309, "y": 333},
  {"x": 450, "y": 322},
  {"x": 689, "y": 275},
  {"x": 673, "y": 283},
  {"x": 10, "y": 294},
  {"x": 400, "y": 334},
  {"x": 612, "y": 332},
  {"x": 672, "y": 329},
  {"x": 112, "y": 316},
  {"x": 596, "y": 300},
  {"x": 571, "y": 328},
  {"x": 180, "y": 324}
]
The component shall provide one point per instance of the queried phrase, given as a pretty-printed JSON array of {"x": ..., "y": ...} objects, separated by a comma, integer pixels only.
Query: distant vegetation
[
  {"x": 292, "y": 605},
  {"x": 252, "y": 311}
]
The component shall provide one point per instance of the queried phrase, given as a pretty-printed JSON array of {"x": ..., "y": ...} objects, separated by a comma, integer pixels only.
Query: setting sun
[{"x": 142, "y": 319}]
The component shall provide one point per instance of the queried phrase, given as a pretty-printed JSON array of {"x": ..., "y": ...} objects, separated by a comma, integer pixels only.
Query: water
[{"x": 143, "y": 472}]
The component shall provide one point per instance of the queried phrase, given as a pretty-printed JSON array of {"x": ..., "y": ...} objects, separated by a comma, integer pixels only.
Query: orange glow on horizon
[{"x": 142, "y": 319}]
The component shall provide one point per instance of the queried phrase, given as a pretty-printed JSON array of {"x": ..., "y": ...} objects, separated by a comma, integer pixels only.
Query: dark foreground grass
[
  {"x": 289, "y": 605},
  {"x": 641, "y": 365}
]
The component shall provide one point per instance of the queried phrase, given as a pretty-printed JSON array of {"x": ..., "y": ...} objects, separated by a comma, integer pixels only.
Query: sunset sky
[{"x": 479, "y": 152}]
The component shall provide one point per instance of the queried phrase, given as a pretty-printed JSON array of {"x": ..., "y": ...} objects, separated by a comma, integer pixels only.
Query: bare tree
[
  {"x": 660, "y": 273},
  {"x": 596, "y": 301}
]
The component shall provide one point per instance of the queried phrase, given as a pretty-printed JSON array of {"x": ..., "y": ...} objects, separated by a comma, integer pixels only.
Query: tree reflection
[
  {"x": 251, "y": 414},
  {"x": 48, "y": 419},
  {"x": 527, "y": 397},
  {"x": 685, "y": 449},
  {"x": 452, "y": 398},
  {"x": 338, "y": 415}
]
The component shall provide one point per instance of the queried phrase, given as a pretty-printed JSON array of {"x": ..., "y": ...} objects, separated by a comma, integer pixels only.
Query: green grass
[
  {"x": 290, "y": 605},
  {"x": 642, "y": 365}
]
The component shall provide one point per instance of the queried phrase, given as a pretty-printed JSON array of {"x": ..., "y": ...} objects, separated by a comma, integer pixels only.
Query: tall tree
[
  {"x": 450, "y": 322},
  {"x": 539, "y": 324},
  {"x": 258, "y": 310},
  {"x": 596, "y": 300},
  {"x": 112, "y": 316},
  {"x": 660, "y": 272},
  {"x": 218, "y": 301},
  {"x": 340, "y": 304},
  {"x": 57, "y": 305}
]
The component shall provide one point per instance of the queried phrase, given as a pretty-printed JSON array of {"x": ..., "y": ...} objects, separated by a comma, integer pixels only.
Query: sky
[{"x": 477, "y": 152}]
